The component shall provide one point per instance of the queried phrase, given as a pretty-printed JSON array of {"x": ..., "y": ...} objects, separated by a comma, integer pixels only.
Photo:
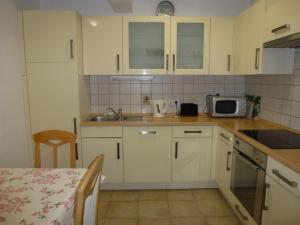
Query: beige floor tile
[
  {"x": 186, "y": 209},
  {"x": 101, "y": 222},
  {"x": 222, "y": 221},
  {"x": 174, "y": 195},
  {"x": 205, "y": 194},
  {"x": 105, "y": 196},
  {"x": 153, "y": 195},
  {"x": 214, "y": 207},
  {"x": 155, "y": 222},
  {"x": 126, "y": 196},
  {"x": 121, "y": 222},
  {"x": 123, "y": 210},
  {"x": 103, "y": 207},
  {"x": 189, "y": 221},
  {"x": 153, "y": 210}
]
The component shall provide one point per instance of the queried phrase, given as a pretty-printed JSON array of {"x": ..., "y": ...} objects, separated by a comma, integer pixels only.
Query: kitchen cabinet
[
  {"x": 190, "y": 45},
  {"x": 191, "y": 154},
  {"x": 102, "y": 45},
  {"x": 112, "y": 149},
  {"x": 221, "y": 45},
  {"x": 50, "y": 36},
  {"x": 224, "y": 150},
  {"x": 282, "y": 18},
  {"x": 283, "y": 207},
  {"x": 147, "y": 154},
  {"x": 249, "y": 55},
  {"x": 249, "y": 28},
  {"x": 58, "y": 93},
  {"x": 146, "y": 45}
]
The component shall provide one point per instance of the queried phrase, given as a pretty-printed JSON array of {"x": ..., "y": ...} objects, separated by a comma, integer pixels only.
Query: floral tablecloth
[{"x": 38, "y": 196}]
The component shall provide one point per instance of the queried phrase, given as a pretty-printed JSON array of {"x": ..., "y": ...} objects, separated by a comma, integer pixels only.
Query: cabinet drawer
[
  {"x": 283, "y": 175},
  {"x": 192, "y": 131},
  {"x": 101, "y": 131}
]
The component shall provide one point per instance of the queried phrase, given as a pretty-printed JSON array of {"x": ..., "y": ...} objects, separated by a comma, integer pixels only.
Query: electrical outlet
[{"x": 146, "y": 100}]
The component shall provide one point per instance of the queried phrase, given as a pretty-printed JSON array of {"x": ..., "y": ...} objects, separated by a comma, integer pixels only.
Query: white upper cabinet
[
  {"x": 190, "y": 45},
  {"x": 282, "y": 18},
  {"x": 102, "y": 45},
  {"x": 146, "y": 45},
  {"x": 249, "y": 28},
  {"x": 221, "y": 44},
  {"x": 249, "y": 55},
  {"x": 50, "y": 36}
]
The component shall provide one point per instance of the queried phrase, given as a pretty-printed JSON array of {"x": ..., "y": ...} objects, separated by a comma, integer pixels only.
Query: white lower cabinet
[
  {"x": 147, "y": 154},
  {"x": 283, "y": 207},
  {"x": 112, "y": 150},
  {"x": 191, "y": 159},
  {"x": 223, "y": 161}
]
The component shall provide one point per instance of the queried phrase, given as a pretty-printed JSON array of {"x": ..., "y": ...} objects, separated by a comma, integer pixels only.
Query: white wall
[
  {"x": 148, "y": 7},
  {"x": 13, "y": 142}
]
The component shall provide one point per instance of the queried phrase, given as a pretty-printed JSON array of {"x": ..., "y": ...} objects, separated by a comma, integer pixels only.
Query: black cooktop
[{"x": 275, "y": 139}]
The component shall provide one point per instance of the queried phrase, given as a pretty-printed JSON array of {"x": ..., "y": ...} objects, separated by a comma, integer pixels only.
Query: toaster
[{"x": 188, "y": 109}]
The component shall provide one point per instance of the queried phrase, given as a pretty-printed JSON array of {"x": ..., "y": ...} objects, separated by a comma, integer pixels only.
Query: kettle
[{"x": 159, "y": 107}]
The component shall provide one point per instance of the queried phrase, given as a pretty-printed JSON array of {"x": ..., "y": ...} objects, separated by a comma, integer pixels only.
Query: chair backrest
[
  {"x": 46, "y": 137},
  {"x": 86, "y": 188}
]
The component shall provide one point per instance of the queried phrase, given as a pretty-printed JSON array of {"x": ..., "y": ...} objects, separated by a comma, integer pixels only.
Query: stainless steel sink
[{"x": 106, "y": 118}]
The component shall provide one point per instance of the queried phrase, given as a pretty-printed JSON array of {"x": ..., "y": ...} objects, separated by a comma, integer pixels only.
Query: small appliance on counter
[
  {"x": 226, "y": 106},
  {"x": 188, "y": 109},
  {"x": 159, "y": 107}
]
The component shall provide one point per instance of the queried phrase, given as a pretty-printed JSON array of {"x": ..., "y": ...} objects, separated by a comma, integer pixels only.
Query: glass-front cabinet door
[
  {"x": 146, "y": 45},
  {"x": 190, "y": 45}
]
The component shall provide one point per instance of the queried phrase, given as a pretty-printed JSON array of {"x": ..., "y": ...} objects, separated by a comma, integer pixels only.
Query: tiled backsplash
[
  {"x": 280, "y": 96},
  {"x": 128, "y": 94}
]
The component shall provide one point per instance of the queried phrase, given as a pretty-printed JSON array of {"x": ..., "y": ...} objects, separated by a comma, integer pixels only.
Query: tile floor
[{"x": 165, "y": 207}]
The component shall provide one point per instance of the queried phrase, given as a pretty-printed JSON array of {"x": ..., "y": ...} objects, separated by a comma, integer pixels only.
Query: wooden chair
[
  {"x": 86, "y": 188},
  {"x": 45, "y": 137}
]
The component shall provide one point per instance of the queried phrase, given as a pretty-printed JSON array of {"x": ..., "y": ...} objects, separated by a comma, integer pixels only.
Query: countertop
[{"x": 288, "y": 157}]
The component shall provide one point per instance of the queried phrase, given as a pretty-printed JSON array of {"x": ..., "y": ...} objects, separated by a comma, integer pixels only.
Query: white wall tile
[
  {"x": 135, "y": 88},
  {"x": 167, "y": 88},
  {"x": 146, "y": 88},
  {"x": 157, "y": 88},
  {"x": 125, "y": 99},
  {"x": 114, "y": 99},
  {"x": 124, "y": 88},
  {"x": 135, "y": 100}
]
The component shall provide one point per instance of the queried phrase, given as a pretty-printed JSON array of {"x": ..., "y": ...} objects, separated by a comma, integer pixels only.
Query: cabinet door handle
[
  {"x": 118, "y": 62},
  {"x": 176, "y": 150},
  {"x": 192, "y": 131},
  {"x": 75, "y": 125},
  {"x": 71, "y": 49},
  {"x": 225, "y": 137},
  {"x": 291, "y": 183},
  {"x": 228, "y": 63},
  {"x": 265, "y": 207},
  {"x": 240, "y": 212},
  {"x": 118, "y": 150},
  {"x": 227, "y": 161},
  {"x": 257, "y": 54},
  {"x": 280, "y": 28},
  {"x": 76, "y": 151},
  {"x": 147, "y": 132},
  {"x": 167, "y": 61},
  {"x": 174, "y": 61}
]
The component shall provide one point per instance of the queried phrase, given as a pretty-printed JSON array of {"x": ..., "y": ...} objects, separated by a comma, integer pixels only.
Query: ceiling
[{"x": 145, "y": 7}]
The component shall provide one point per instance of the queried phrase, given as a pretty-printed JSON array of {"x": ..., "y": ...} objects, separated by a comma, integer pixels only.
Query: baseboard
[{"x": 143, "y": 186}]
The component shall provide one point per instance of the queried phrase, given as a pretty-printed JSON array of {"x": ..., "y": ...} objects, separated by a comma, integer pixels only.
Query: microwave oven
[{"x": 226, "y": 106}]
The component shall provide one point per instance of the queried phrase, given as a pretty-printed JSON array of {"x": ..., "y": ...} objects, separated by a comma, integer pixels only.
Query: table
[{"x": 38, "y": 196}]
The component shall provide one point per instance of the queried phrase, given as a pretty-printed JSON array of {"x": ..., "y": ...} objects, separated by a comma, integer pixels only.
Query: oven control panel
[{"x": 251, "y": 152}]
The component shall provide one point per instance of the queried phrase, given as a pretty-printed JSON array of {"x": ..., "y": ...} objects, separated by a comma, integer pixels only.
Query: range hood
[{"x": 291, "y": 41}]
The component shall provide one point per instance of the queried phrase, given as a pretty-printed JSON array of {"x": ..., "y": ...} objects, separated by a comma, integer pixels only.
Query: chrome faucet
[{"x": 118, "y": 115}]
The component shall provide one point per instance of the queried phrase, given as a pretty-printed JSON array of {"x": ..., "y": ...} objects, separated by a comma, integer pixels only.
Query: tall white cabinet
[{"x": 57, "y": 91}]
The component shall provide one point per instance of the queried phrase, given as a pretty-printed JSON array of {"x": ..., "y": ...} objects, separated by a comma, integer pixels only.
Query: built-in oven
[{"x": 248, "y": 177}]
